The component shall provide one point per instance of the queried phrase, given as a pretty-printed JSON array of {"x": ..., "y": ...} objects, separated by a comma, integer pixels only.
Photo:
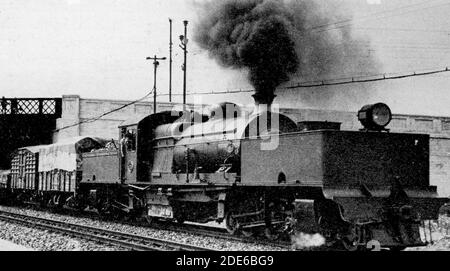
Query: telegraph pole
[
  {"x": 155, "y": 64},
  {"x": 170, "y": 61},
  {"x": 184, "y": 42}
]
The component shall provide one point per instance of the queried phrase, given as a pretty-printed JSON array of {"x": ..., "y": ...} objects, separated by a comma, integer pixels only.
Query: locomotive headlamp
[{"x": 375, "y": 116}]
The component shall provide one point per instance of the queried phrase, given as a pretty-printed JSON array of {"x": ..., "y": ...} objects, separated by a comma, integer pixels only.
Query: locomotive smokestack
[{"x": 263, "y": 100}]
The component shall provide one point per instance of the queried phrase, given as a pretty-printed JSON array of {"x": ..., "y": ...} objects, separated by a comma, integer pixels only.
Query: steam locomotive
[{"x": 256, "y": 172}]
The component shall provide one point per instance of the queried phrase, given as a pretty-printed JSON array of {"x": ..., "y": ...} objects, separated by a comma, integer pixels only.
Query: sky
[{"x": 98, "y": 49}]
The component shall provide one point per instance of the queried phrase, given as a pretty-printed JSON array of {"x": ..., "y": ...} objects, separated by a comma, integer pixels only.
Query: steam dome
[{"x": 224, "y": 110}]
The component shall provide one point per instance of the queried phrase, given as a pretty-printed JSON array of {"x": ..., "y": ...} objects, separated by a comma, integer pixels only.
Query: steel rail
[
  {"x": 220, "y": 233},
  {"x": 100, "y": 235}
]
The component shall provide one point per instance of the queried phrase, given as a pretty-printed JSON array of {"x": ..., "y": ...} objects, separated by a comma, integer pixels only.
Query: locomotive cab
[
  {"x": 127, "y": 153},
  {"x": 146, "y": 143}
]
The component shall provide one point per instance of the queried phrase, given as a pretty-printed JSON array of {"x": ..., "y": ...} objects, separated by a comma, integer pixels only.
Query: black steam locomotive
[{"x": 256, "y": 172}]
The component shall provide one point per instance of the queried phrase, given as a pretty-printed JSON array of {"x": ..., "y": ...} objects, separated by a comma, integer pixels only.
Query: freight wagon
[
  {"x": 5, "y": 184},
  {"x": 50, "y": 173},
  {"x": 24, "y": 169}
]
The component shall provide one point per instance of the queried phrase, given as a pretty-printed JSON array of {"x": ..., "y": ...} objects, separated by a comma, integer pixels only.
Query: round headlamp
[{"x": 375, "y": 116}]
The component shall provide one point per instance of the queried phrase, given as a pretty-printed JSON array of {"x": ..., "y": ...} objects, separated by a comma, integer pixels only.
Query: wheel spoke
[{"x": 231, "y": 224}]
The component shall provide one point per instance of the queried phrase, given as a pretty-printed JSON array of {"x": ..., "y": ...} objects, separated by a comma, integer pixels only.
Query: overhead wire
[
  {"x": 347, "y": 22},
  {"x": 332, "y": 82},
  {"x": 351, "y": 20},
  {"x": 104, "y": 114}
]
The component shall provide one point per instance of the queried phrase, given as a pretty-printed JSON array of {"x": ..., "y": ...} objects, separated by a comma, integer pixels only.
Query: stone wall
[
  {"x": 440, "y": 164},
  {"x": 76, "y": 110}
]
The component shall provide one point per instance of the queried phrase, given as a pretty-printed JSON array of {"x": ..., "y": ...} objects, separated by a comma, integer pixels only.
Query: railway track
[
  {"x": 186, "y": 228},
  {"x": 100, "y": 235},
  {"x": 194, "y": 229},
  {"x": 222, "y": 234}
]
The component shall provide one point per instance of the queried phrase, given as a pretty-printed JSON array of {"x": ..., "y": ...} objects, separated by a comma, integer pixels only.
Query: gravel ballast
[
  {"x": 46, "y": 241},
  {"x": 197, "y": 240}
]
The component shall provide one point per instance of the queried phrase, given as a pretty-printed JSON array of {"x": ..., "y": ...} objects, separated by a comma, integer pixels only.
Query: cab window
[{"x": 129, "y": 139}]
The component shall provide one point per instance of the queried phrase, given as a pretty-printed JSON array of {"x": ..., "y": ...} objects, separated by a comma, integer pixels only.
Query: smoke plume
[
  {"x": 279, "y": 41},
  {"x": 254, "y": 34}
]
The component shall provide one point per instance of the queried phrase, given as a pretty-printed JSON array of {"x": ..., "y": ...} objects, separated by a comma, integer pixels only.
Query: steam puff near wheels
[{"x": 304, "y": 240}]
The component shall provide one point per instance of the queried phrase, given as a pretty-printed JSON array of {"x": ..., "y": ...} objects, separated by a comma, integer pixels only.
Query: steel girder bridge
[{"x": 26, "y": 122}]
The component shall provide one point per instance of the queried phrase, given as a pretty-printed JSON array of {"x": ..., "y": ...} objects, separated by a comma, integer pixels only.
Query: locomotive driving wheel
[
  {"x": 104, "y": 208},
  {"x": 150, "y": 220},
  {"x": 271, "y": 233},
  {"x": 76, "y": 203},
  {"x": 231, "y": 224},
  {"x": 179, "y": 213},
  {"x": 350, "y": 244},
  {"x": 55, "y": 202},
  {"x": 179, "y": 217},
  {"x": 345, "y": 238},
  {"x": 248, "y": 233},
  {"x": 354, "y": 239}
]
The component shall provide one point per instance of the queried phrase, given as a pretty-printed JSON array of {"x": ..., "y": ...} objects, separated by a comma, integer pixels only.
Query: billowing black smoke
[
  {"x": 282, "y": 40},
  {"x": 252, "y": 34}
]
